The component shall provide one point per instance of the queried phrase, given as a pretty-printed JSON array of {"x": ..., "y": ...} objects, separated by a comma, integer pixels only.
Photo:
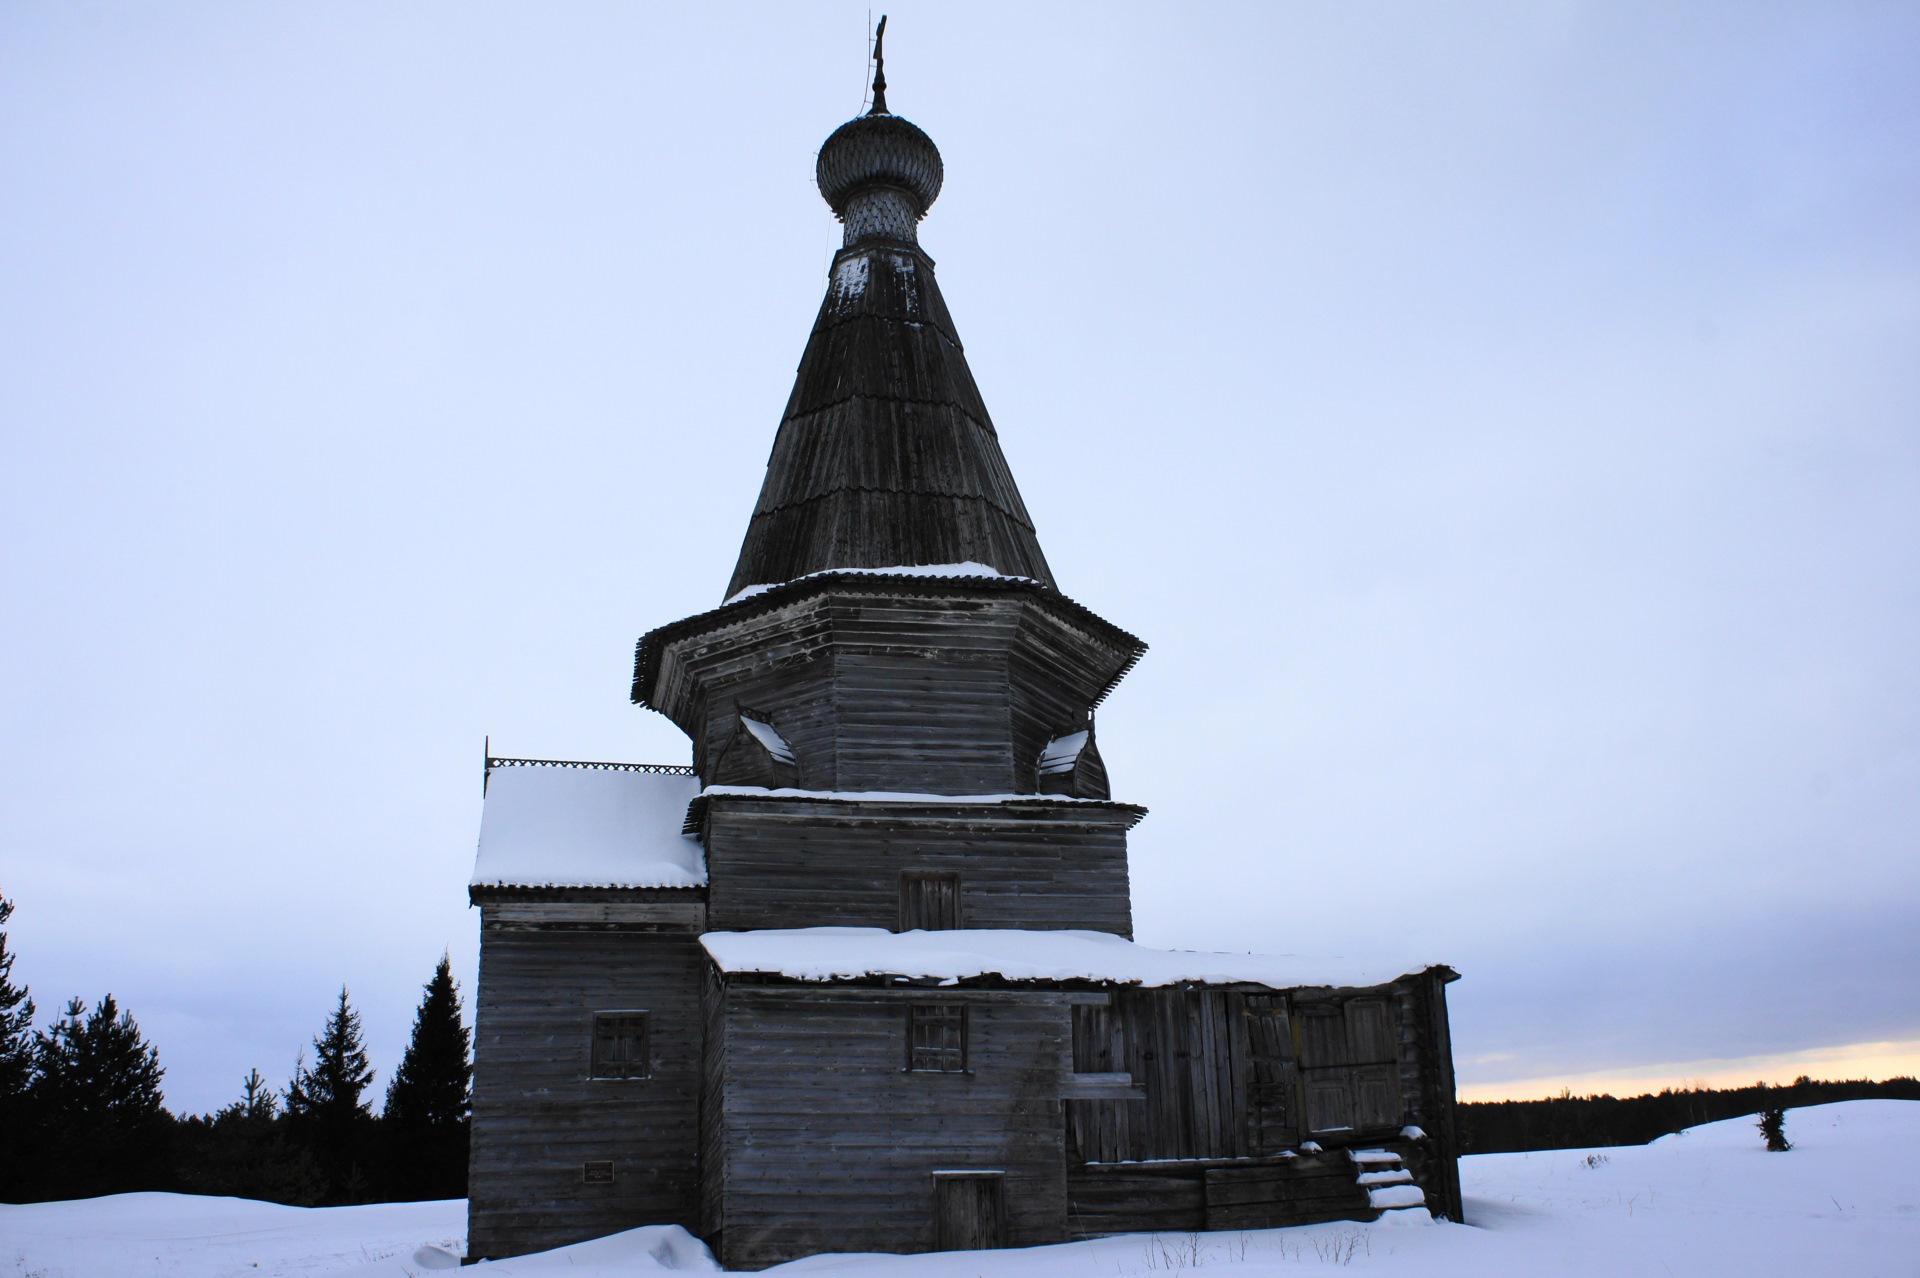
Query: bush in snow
[{"x": 1773, "y": 1125}]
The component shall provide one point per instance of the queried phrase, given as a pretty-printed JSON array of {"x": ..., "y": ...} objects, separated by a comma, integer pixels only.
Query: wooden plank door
[
  {"x": 1270, "y": 1080},
  {"x": 1348, "y": 1066},
  {"x": 969, "y": 1210}
]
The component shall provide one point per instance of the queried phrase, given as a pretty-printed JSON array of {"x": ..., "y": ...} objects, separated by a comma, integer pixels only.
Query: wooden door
[
  {"x": 1270, "y": 1074},
  {"x": 969, "y": 1211},
  {"x": 1348, "y": 1065}
]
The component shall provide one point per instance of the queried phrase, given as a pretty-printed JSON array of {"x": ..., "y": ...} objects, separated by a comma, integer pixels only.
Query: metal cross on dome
[{"x": 879, "y": 70}]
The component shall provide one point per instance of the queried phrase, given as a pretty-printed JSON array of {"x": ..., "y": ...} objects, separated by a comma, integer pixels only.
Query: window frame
[
  {"x": 636, "y": 1066},
  {"x": 952, "y": 1023}
]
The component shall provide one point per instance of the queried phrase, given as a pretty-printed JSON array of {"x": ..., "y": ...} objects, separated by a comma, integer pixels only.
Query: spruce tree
[
  {"x": 1773, "y": 1126},
  {"x": 325, "y": 1113},
  {"x": 96, "y": 1086},
  {"x": 18, "y": 1130},
  {"x": 257, "y": 1102},
  {"x": 430, "y": 1098},
  {"x": 16, "y": 1021}
]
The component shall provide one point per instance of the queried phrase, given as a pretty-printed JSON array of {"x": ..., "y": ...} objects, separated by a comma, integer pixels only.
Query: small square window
[
  {"x": 622, "y": 1045},
  {"x": 937, "y": 1037},
  {"x": 929, "y": 901}
]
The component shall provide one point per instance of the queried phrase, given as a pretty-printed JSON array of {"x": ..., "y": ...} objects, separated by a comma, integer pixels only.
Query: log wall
[
  {"x": 800, "y": 863},
  {"x": 546, "y": 966},
  {"x": 949, "y": 691},
  {"x": 830, "y": 1144}
]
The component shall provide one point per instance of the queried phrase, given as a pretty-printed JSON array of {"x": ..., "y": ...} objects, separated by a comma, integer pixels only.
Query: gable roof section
[
  {"x": 885, "y": 455},
  {"x": 566, "y": 825},
  {"x": 864, "y": 953}
]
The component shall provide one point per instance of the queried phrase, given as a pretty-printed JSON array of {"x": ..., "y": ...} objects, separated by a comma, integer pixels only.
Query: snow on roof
[
  {"x": 847, "y": 953},
  {"x": 1062, "y": 753},
  {"x": 573, "y": 826},
  {"x": 967, "y": 569},
  {"x": 769, "y": 737}
]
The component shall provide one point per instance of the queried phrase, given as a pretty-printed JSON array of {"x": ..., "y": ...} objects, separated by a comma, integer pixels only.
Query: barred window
[
  {"x": 937, "y": 1037},
  {"x": 622, "y": 1045}
]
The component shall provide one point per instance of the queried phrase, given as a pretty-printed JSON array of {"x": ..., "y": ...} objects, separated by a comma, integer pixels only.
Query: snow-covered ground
[{"x": 1844, "y": 1201}]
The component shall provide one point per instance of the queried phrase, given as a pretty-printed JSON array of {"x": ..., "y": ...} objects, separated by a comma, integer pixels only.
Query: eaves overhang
[
  {"x": 653, "y": 645},
  {"x": 894, "y": 807}
]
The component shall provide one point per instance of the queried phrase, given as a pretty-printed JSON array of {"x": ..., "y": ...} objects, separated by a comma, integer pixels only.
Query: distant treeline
[
  {"x": 81, "y": 1111},
  {"x": 1580, "y": 1122}
]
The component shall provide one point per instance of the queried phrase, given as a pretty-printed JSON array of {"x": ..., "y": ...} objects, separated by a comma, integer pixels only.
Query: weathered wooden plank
[
  {"x": 688, "y": 915},
  {"x": 538, "y": 1117},
  {"x": 772, "y": 862},
  {"x": 1131, "y": 1201},
  {"x": 797, "y": 1163}
]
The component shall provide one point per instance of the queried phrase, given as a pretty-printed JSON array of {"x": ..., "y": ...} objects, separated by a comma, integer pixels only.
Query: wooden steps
[{"x": 1386, "y": 1181}]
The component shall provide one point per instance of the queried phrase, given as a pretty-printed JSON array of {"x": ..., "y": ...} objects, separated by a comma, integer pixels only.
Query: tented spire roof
[{"x": 886, "y": 456}]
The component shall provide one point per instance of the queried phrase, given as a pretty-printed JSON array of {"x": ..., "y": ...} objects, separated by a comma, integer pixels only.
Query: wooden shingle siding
[
  {"x": 537, "y": 1116},
  {"x": 809, "y": 1168},
  {"x": 885, "y": 454},
  {"x": 777, "y": 863}
]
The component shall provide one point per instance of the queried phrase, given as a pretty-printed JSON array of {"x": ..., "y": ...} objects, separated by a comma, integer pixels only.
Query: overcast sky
[{"x": 1502, "y": 420}]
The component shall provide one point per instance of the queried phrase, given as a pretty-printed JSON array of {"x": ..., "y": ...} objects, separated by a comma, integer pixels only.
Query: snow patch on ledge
[
  {"x": 967, "y": 569},
  {"x": 885, "y": 796},
  {"x": 850, "y": 953},
  {"x": 587, "y": 827}
]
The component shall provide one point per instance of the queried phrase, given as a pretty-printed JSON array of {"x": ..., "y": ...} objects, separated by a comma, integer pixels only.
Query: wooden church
[{"x": 860, "y": 978}]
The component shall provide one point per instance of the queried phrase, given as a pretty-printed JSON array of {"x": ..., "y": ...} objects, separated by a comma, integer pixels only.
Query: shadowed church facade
[{"x": 860, "y": 977}]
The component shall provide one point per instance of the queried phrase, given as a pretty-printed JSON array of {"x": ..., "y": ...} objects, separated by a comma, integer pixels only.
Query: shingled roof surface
[{"x": 886, "y": 455}]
